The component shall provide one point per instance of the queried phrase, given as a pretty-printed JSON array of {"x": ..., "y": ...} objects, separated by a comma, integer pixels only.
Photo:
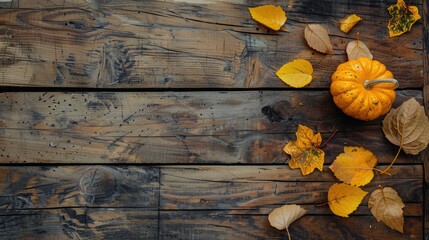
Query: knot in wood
[{"x": 98, "y": 184}]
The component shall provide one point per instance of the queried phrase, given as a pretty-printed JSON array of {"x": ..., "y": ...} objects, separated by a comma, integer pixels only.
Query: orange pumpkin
[{"x": 363, "y": 88}]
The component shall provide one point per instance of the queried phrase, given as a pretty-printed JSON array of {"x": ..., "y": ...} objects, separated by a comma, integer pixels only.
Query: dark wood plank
[
  {"x": 238, "y": 225},
  {"x": 425, "y": 155},
  {"x": 185, "y": 44},
  {"x": 32, "y": 187},
  {"x": 79, "y": 223},
  {"x": 251, "y": 187},
  {"x": 177, "y": 127}
]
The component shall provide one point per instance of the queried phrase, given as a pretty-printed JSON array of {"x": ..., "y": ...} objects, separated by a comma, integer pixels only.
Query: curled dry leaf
[
  {"x": 403, "y": 18},
  {"x": 296, "y": 73},
  {"x": 348, "y": 22},
  {"x": 354, "y": 166},
  {"x": 356, "y": 49},
  {"x": 344, "y": 199},
  {"x": 386, "y": 206},
  {"x": 317, "y": 38},
  {"x": 305, "y": 153},
  {"x": 269, "y": 15},
  {"x": 282, "y": 217},
  {"x": 407, "y": 127}
]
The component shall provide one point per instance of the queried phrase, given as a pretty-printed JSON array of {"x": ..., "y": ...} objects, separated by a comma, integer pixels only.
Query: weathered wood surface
[
  {"x": 426, "y": 104},
  {"x": 186, "y": 44},
  {"x": 43, "y": 202},
  {"x": 177, "y": 127}
]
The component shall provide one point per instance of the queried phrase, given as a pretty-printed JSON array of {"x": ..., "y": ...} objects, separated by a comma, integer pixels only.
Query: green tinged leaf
[{"x": 403, "y": 18}]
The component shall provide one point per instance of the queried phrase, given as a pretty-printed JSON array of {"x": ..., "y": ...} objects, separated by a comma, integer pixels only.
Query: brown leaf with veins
[
  {"x": 407, "y": 127},
  {"x": 317, "y": 38},
  {"x": 386, "y": 206}
]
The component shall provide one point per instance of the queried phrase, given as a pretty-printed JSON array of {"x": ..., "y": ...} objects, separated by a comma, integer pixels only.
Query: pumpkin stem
[{"x": 368, "y": 84}]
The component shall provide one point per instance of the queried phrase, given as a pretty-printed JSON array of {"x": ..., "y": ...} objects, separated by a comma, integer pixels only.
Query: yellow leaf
[
  {"x": 354, "y": 166},
  {"x": 269, "y": 15},
  {"x": 403, "y": 18},
  {"x": 282, "y": 217},
  {"x": 344, "y": 199},
  {"x": 317, "y": 38},
  {"x": 304, "y": 152},
  {"x": 296, "y": 73},
  {"x": 348, "y": 22},
  {"x": 386, "y": 205}
]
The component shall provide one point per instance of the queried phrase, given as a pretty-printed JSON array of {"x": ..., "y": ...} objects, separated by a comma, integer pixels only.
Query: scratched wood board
[
  {"x": 185, "y": 44},
  {"x": 86, "y": 202},
  {"x": 177, "y": 127}
]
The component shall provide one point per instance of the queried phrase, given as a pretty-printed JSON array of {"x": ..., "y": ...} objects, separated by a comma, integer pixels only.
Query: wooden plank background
[{"x": 165, "y": 120}]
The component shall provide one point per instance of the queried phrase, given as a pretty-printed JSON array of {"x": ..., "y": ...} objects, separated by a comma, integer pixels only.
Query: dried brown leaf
[
  {"x": 282, "y": 217},
  {"x": 356, "y": 49},
  {"x": 407, "y": 127},
  {"x": 317, "y": 38},
  {"x": 386, "y": 206}
]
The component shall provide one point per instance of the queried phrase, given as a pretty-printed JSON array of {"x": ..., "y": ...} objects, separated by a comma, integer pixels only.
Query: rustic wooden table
[{"x": 165, "y": 120}]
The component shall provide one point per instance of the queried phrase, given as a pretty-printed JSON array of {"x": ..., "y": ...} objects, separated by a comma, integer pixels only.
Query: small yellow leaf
[
  {"x": 269, "y": 15},
  {"x": 403, "y": 18},
  {"x": 386, "y": 205},
  {"x": 317, "y": 38},
  {"x": 304, "y": 152},
  {"x": 344, "y": 199},
  {"x": 296, "y": 73},
  {"x": 354, "y": 166},
  {"x": 348, "y": 22}
]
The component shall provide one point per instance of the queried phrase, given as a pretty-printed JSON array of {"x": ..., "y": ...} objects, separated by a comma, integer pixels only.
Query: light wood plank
[
  {"x": 185, "y": 44},
  {"x": 177, "y": 127}
]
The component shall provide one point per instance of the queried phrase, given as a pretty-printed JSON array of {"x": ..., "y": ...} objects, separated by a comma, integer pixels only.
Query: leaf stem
[
  {"x": 324, "y": 143},
  {"x": 288, "y": 234},
  {"x": 391, "y": 164}
]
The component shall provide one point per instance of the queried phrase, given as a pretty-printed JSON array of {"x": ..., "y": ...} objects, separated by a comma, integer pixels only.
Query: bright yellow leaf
[
  {"x": 349, "y": 22},
  {"x": 269, "y": 15},
  {"x": 354, "y": 166},
  {"x": 296, "y": 73},
  {"x": 403, "y": 18},
  {"x": 344, "y": 199},
  {"x": 304, "y": 152}
]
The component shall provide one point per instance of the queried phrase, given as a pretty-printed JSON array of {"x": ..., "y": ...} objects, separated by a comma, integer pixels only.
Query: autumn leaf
[
  {"x": 282, "y": 217},
  {"x": 344, "y": 199},
  {"x": 269, "y": 15},
  {"x": 354, "y": 166},
  {"x": 348, "y": 22},
  {"x": 356, "y": 49},
  {"x": 407, "y": 127},
  {"x": 296, "y": 73},
  {"x": 403, "y": 18},
  {"x": 317, "y": 38},
  {"x": 304, "y": 152},
  {"x": 386, "y": 206}
]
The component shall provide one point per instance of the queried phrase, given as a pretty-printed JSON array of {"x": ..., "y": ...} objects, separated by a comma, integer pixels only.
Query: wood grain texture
[
  {"x": 79, "y": 223},
  {"x": 177, "y": 127},
  {"x": 78, "y": 186},
  {"x": 185, "y": 44},
  {"x": 211, "y": 187},
  {"x": 242, "y": 225}
]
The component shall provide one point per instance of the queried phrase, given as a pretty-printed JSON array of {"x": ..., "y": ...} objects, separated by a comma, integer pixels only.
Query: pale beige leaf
[
  {"x": 356, "y": 49},
  {"x": 386, "y": 206},
  {"x": 407, "y": 127},
  {"x": 282, "y": 217},
  {"x": 317, "y": 38}
]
